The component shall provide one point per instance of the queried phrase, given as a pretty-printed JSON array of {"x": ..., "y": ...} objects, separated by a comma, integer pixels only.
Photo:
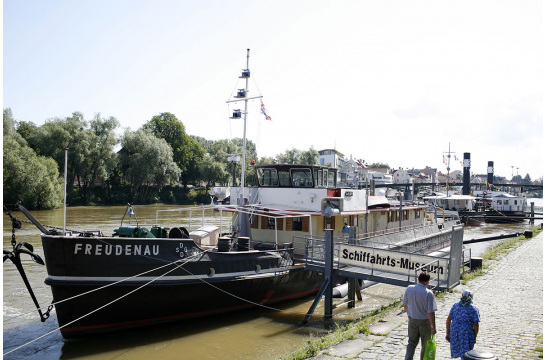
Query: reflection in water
[{"x": 254, "y": 333}]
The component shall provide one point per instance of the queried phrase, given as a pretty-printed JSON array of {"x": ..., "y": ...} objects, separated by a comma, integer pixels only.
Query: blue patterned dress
[{"x": 462, "y": 335}]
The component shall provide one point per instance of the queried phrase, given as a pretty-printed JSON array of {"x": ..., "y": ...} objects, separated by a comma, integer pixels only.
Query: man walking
[{"x": 420, "y": 305}]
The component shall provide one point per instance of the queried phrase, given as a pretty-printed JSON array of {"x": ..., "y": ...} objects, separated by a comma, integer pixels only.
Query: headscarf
[{"x": 467, "y": 297}]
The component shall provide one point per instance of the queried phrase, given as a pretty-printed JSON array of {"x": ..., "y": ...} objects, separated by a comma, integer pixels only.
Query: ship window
[
  {"x": 405, "y": 215},
  {"x": 284, "y": 177},
  {"x": 301, "y": 178},
  {"x": 267, "y": 177},
  {"x": 331, "y": 179},
  {"x": 515, "y": 202},
  {"x": 270, "y": 223},
  {"x": 297, "y": 224},
  {"x": 318, "y": 177},
  {"x": 505, "y": 202}
]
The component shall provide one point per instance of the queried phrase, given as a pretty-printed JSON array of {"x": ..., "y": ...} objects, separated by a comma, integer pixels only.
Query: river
[{"x": 250, "y": 334}]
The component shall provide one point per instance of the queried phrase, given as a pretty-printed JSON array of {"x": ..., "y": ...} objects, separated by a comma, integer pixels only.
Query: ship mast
[
  {"x": 242, "y": 95},
  {"x": 448, "y": 164}
]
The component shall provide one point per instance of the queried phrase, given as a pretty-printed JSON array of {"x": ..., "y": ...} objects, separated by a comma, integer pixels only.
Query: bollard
[
  {"x": 528, "y": 234},
  {"x": 479, "y": 355},
  {"x": 475, "y": 263}
]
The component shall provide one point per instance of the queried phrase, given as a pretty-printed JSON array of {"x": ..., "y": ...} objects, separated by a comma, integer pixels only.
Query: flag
[
  {"x": 444, "y": 160},
  {"x": 267, "y": 117}
]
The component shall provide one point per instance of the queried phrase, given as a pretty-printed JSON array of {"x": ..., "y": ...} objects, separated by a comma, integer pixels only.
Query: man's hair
[{"x": 423, "y": 277}]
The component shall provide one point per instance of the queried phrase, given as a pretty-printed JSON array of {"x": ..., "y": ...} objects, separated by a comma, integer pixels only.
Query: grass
[
  {"x": 346, "y": 332},
  {"x": 539, "y": 348}
]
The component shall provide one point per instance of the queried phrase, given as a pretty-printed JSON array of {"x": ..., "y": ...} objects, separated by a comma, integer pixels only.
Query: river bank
[{"x": 509, "y": 297}]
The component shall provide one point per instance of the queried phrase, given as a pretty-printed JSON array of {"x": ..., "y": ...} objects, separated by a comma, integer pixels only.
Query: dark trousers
[{"x": 418, "y": 330}]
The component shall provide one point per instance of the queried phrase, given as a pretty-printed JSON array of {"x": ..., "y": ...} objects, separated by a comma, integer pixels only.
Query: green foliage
[
  {"x": 25, "y": 128},
  {"x": 146, "y": 160},
  {"x": 213, "y": 171},
  {"x": 265, "y": 161},
  {"x": 187, "y": 152},
  {"x": 379, "y": 165},
  {"x": 292, "y": 156},
  {"x": 296, "y": 156},
  {"x": 310, "y": 157},
  {"x": 30, "y": 180}
]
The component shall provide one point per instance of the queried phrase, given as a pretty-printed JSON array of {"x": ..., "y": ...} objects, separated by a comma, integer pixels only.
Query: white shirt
[{"x": 420, "y": 301}]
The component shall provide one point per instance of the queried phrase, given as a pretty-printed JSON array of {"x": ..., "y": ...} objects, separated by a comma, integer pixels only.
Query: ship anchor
[{"x": 24, "y": 247}]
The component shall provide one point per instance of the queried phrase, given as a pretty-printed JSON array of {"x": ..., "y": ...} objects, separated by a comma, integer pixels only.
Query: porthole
[
  {"x": 211, "y": 272},
  {"x": 258, "y": 269}
]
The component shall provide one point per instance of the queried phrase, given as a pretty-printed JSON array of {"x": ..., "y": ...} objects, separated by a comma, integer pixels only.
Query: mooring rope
[
  {"x": 100, "y": 308},
  {"x": 115, "y": 283}
]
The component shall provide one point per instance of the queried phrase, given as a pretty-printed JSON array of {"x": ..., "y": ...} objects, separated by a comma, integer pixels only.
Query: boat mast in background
[{"x": 448, "y": 164}]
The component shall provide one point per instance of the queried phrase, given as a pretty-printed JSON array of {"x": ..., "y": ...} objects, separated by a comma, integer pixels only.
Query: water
[{"x": 255, "y": 333}]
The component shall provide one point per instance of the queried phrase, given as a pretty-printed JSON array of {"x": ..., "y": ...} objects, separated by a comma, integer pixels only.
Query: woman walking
[{"x": 462, "y": 325}]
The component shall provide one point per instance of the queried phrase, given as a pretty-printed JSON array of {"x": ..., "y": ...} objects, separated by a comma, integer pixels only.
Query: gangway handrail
[{"x": 425, "y": 266}]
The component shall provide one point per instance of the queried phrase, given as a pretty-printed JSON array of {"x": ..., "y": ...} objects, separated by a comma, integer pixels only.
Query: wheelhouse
[{"x": 295, "y": 176}]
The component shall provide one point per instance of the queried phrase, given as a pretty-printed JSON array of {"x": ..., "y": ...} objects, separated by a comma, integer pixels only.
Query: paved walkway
[{"x": 509, "y": 298}]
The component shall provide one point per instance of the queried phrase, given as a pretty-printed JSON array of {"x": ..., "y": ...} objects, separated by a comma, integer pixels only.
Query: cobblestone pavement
[{"x": 509, "y": 298}]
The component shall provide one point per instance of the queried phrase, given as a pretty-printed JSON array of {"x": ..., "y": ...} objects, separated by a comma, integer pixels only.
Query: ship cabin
[
  {"x": 508, "y": 202},
  {"x": 288, "y": 200}
]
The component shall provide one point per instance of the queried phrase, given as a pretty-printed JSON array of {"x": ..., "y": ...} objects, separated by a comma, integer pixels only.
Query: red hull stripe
[{"x": 84, "y": 328}]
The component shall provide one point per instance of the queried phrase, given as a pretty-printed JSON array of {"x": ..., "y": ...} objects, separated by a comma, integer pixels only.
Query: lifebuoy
[{"x": 484, "y": 192}]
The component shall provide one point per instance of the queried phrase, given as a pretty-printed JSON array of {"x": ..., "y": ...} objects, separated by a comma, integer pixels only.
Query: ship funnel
[
  {"x": 467, "y": 166},
  {"x": 490, "y": 178}
]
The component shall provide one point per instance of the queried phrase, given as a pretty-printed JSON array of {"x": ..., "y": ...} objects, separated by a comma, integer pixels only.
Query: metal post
[
  {"x": 328, "y": 304},
  {"x": 400, "y": 210},
  {"x": 352, "y": 281},
  {"x": 65, "y": 182},
  {"x": 532, "y": 213}
]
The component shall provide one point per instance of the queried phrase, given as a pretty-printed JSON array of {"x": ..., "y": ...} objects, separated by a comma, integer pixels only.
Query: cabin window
[
  {"x": 405, "y": 215},
  {"x": 267, "y": 177},
  {"x": 505, "y": 202},
  {"x": 301, "y": 178},
  {"x": 318, "y": 177},
  {"x": 331, "y": 179},
  {"x": 270, "y": 223},
  {"x": 417, "y": 214},
  {"x": 393, "y": 216},
  {"x": 515, "y": 202},
  {"x": 284, "y": 178},
  {"x": 297, "y": 224}
]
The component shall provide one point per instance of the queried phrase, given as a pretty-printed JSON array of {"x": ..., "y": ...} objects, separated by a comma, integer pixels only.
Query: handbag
[{"x": 431, "y": 347}]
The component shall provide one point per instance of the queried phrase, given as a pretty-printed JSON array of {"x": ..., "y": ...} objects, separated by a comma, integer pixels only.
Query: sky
[{"x": 396, "y": 82}]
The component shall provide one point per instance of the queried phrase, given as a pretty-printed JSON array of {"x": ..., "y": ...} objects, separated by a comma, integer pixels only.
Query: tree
[
  {"x": 90, "y": 148},
  {"x": 147, "y": 161},
  {"x": 310, "y": 157},
  {"x": 379, "y": 165},
  {"x": 187, "y": 152},
  {"x": 25, "y": 128},
  {"x": 292, "y": 156},
  {"x": 213, "y": 171},
  {"x": 266, "y": 160},
  {"x": 527, "y": 180},
  {"x": 30, "y": 180},
  {"x": 100, "y": 158}
]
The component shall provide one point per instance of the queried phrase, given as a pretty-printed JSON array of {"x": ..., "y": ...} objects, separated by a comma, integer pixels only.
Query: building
[{"x": 402, "y": 177}]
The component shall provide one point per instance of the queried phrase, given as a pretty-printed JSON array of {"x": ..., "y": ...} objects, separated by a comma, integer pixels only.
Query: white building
[{"x": 402, "y": 177}]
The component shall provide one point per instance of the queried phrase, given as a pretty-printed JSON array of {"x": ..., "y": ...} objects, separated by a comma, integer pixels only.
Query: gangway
[{"x": 392, "y": 260}]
